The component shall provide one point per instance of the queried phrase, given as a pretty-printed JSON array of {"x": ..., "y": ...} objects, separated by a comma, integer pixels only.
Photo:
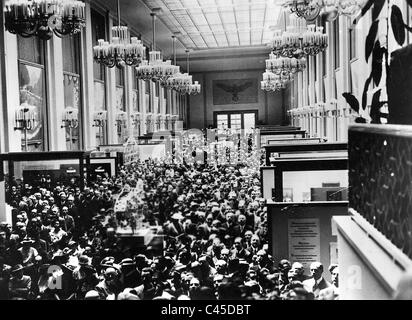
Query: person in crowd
[
  {"x": 316, "y": 283},
  {"x": 332, "y": 292},
  {"x": 212, "y": 218}
]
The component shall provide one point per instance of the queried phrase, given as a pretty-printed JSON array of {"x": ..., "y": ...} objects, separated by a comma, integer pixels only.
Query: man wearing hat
[
  {"x": 130, "y": 276},
  {"x": 19, "y": 284},
  {"x": 28, "y": 253},
  {"x": 85, "y": 277},
  {"x": 110, "y": 285}
]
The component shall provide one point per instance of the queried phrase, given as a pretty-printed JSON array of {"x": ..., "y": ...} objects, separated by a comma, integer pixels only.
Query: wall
[
  {"x": 278, "y": 227},
  {"x": 269, "y": 105},
  {"x": 207, "y": 66}
]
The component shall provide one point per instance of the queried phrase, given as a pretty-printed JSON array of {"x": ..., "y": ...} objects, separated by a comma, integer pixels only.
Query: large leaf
[
  {"x": 352, "y": 101},
  {"x": 377, "y": 8},
  {"x": 360, "y": 120},
  {"x": 370, "y": 39},
  {"x": 375, "y": 107},
  {"x": 408, "y": 28},
  {"x": 398, "y": 26},
  {"x": 365, "y": 92},
  {"x": 367, "y": 6},
  {"x": 377, "y": 58}
]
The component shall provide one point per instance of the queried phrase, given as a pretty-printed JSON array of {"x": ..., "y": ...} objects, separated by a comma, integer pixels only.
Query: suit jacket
[
  {"x": 238, "y": 231},
  {"x": 309, "y": 285}
]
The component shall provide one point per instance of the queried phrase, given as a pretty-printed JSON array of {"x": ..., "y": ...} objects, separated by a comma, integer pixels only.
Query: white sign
[{"x": 304, "y": 241}]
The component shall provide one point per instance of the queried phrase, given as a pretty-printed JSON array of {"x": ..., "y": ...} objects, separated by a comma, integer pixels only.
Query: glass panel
[
  {"x": 98, "y": 32},
  {"x": 336, "y": 43},
  {"x": 222, "y": 121},
  {"x": 30, "y": 49},
  {"x": 99, "y": 104},
  {"x": 71, "y": 54},
  {"x": 119, "y": 76},
  {"x": 135, "y": 103},
  {"x": 120, "y": 103},
  {"x": 236, "y": 121},
  {"x": 72, "y": 100},
  {"x": 249, "y": 120},
  {"x": 32, "y": 93},
  {"x": 322, "y": 185}
]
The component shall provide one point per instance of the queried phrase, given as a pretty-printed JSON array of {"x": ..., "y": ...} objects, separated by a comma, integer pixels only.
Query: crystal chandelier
[
  {"x": 285, "y": 66},
  {"x": 183, "y": 83},
  {"x": 165, "y": 70},
  {"x": 299, "y": 40},
  {"x": 274, "y": 82},
  {"x": 307, "y": 9},
  {"x": 123, "y": 50},
  {"x": 331, "y": 9},
  {"x": 43, "y": 17},
  {"x": 156, "y": 69}
]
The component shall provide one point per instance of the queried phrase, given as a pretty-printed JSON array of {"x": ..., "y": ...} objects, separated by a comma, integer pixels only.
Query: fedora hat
[
  {"x": 27, "y": 240},
  {"x": 127, "y": 262},
  {"x": 83, "y": 260}
]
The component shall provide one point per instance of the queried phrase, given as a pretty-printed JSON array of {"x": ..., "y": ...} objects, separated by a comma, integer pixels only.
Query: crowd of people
[{"x": 63, "y": 243}]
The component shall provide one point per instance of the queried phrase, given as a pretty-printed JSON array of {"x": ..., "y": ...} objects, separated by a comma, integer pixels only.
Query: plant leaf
[
  {"x": 408, "y": 27},
  {"x": 365, "y": 92},
  {"x": 377, "y": 8},
  {"x": 360, "y": 120},
  {"x": 367, "y": 6},
  {"x": 398, "y": 26},
  {"x": 370, "y": 39},
  {"x": 375, "y": 107},
  {"x": 351, "y": 100},
  {"x": 377, "y": 58}
]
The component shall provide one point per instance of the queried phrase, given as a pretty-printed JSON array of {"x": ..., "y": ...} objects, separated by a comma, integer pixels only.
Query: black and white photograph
[{"x": 205, "y": 151}]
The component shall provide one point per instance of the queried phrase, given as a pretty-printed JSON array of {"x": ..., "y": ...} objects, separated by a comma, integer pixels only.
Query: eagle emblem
[{"x": 234, "y": 89}]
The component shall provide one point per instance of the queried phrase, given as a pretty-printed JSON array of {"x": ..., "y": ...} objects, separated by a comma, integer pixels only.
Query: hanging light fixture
[
  {"x": 331, "y": 9},
  {"x": 155, "y": 69},
  {"x": 299, "y": 39},
  {"x": 165, "y": 70},
  {"x": 122, "y": 51},
  {"x": 285, "y": 66},
  {"x": 185, "y": 83},
  {"x": 274, "y": 82},
  {"x": 307, "y": 9},
  {"x": 42, "y": 18}
]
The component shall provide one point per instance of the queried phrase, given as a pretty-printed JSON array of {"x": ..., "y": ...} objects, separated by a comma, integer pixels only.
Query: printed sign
[{"x": 304, "y": 241}]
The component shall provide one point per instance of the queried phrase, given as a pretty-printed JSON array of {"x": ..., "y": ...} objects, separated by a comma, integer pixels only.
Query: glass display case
[{"x": 306, "y": 180}]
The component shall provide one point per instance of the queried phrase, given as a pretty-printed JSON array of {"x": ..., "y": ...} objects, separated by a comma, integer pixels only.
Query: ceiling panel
[{"x": 219, "y": 23}]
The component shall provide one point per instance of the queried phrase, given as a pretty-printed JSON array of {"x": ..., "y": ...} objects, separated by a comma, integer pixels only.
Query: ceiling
[
  {"x": 209, "y": 24},
  {"x": 219, "y": 40}
]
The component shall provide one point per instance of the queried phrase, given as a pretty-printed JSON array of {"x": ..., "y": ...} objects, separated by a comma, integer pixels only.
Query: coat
[{"x": 309, "y": 285}]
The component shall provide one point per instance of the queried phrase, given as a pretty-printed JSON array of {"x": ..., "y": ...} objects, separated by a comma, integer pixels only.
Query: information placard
[{"x": 304, "y": 241}]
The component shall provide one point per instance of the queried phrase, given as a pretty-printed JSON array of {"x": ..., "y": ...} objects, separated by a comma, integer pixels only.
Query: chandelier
[
  {"x": 285, "y": 66},
  {"x": 183, "y": 83},
  {"x": 331, "y": 9},
  {"x": 156, "y": 69},
  {"x": 123, "y": 50},
  {"x": 299, "y": 40},
  {"x": 307, "y": 9},
  {"x": 164, "y": 70},
  {"x": 42, "y": 18},
  {"x": 274, "y": 82}
]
